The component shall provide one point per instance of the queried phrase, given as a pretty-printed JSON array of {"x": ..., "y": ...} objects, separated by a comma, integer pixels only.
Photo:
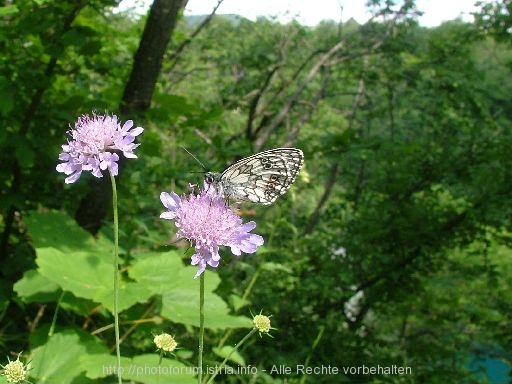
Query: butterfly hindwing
[{"x": 260, "y": 178}]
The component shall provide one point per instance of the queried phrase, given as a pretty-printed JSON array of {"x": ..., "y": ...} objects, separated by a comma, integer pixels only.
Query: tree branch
[
  {"x": 177, "y": 52},
  {"x": 292, "y": 100}
]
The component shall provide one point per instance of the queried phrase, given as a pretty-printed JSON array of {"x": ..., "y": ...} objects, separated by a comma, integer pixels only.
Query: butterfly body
[{"x": 260, "y": 178}]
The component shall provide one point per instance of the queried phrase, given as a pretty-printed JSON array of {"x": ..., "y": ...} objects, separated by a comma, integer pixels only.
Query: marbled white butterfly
[{"x": 260, "y": 178}]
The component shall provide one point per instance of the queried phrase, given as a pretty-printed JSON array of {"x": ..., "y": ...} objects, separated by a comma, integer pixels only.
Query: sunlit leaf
[
  {"x": 51, "y": 365},
  {"x": 166, "y": 273},
  {"x": 88, "y": 275}
]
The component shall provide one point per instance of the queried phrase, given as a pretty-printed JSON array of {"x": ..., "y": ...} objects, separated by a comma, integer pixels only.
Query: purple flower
[
  {"x": 95, "y": 141},
  {"x": 208, "y": 221}
]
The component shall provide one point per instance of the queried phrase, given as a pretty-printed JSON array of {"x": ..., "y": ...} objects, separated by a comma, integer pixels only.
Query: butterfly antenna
[{"x": 195, "y": 158}]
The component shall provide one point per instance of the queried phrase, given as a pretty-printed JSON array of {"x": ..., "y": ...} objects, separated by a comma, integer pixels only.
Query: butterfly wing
[{"x": 263, "y": 177}]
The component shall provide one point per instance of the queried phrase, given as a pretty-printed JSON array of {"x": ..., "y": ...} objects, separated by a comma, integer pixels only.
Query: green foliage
[
  {"x": 495, "y": 18},
  {"x": 78, "y": 268},
  {"x": 392, "y": 247},
  {"x": 81, "y": 265}
]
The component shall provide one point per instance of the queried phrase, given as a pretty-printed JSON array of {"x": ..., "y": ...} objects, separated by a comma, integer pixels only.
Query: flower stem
[
  {"x": 54, "y": 320},
  {"x": 159, "y": 364},
  {"x": 50, "y": 334},
  {"x": 116, "y": 275},
  {"x": 235, "y": 348},
  {"x": 310, "y": 355},
  {"x": 246, "y": 294},
  {"x": 201, "y": 329}
]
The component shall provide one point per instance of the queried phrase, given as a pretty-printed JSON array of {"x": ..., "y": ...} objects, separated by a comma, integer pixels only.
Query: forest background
[{"x": 392, "y": 247}]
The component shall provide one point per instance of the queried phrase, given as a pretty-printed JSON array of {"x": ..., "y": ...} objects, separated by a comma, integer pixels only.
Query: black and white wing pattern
[{"x": 260, "y": 178}]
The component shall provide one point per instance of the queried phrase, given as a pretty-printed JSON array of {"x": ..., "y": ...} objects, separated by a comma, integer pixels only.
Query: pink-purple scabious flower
[
  {"x": 95, "y": 142},
  {"x": 208, "y": 221}
]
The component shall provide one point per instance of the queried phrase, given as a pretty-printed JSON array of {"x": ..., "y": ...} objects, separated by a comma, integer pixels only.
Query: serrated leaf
[
  {"x": 88, "y": 275},
  {"x": 167, "y": 275},
  {"x": 35, "y": 287},
  {"x": 58, "y": 230},
  {"x": 182, "y": 305},
  {"x": 101, "y": 365},
  {"x": 161, "y": 271},
  {"x": 51, "y": 365}
]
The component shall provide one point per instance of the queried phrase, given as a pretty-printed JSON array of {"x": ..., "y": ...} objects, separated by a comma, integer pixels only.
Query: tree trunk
[
  {"x": 148, "y": 59},
  {"x": 147, "y": 63}
]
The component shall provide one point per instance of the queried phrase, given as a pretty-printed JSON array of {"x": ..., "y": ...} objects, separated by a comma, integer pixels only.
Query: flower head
[
  {"x": 15, "y": 371},
  {"x": 165, "y": 342},
  {"x": 93, "y": 146},
  {"x": 208, "y": 221},
  {"x": 262, "y": 324}
]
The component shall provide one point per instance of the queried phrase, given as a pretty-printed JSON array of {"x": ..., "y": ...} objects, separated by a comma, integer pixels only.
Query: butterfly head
[{"x": 212, "y": 177}]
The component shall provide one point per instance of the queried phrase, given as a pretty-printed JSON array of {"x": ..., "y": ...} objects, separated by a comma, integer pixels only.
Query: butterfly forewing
[{"x": 260, "y": 178}]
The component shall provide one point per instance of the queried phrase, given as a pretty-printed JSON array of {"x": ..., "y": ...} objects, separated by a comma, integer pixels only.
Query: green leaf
[
  {"x": 78, "y": 305},
  {"x": 142, "y": 368},
  {"x": 101, "y": 365},
  {"x": 56, "y": 361},
  {"x": 7, "y": 10},
  {"x": 167, "y": 275},
  {"x": 171, "y": 371},
  {"x": 34, "y": 287},
  {"x": 271, "y": 266},
  {"x": 175, "y": 104},
  {"x": 237, "y": 302},
  {"x": 182, "y": 305},
  {"x": 88, "y": 275},
  {"x": 226, "y": 351},
  {"x": 161, "y": 271},
  {"x": 58, "y": 230}
]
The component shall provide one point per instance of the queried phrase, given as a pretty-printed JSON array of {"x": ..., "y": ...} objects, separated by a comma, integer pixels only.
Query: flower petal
[
  {"x": 170, "y": 200},
  {"x": 74, "y": 177},
  {"x": 93, "y": 145},
  {"x": 209, "y": 222},
  {"x": 168, "y": 215}
]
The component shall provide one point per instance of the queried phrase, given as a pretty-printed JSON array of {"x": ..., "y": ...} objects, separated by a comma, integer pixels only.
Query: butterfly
[{"x": 260, "y": 178}]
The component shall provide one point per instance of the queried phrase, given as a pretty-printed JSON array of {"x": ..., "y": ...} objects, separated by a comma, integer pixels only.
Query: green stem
[
  {"x": 116, "y": 275},
  {"x": 201, "y": 328},
  {"x": 159, "y": 364},
  {"x": 42, "y": 360},
  {"x": 310, "y": 355},
  {"x": 237, "y": 346},
  {"x": 246, "y": 294},
  {"x": 54, "y": 320}
]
